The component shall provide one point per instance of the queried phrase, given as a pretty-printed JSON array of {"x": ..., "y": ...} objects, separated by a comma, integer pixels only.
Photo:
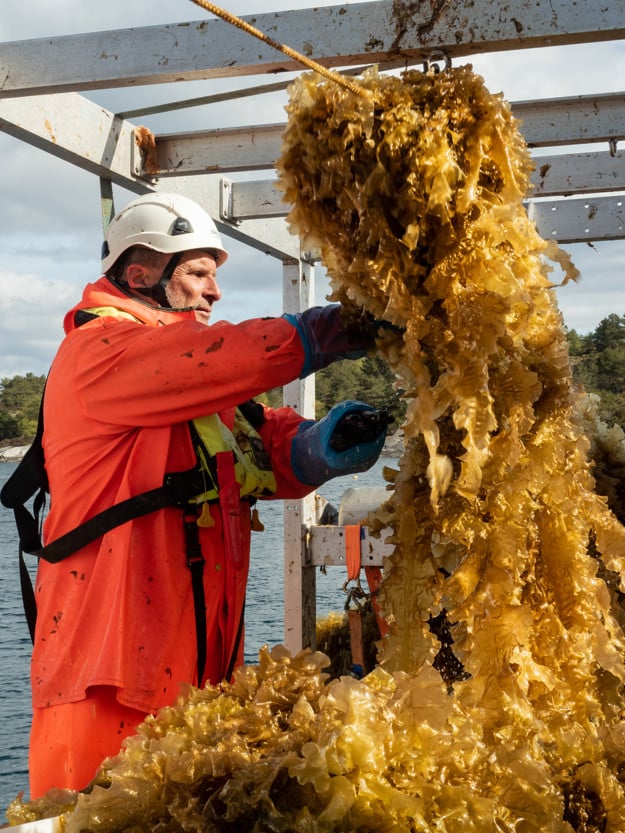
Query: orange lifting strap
[{"x": 353, "y": 537}]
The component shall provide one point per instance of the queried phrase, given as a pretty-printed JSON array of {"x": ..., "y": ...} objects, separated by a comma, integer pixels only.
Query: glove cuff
[{"x": 323, "y": 338}]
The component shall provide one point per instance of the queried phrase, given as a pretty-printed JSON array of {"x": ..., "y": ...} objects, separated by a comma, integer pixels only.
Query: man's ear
[{"x": 138, "y": 277}]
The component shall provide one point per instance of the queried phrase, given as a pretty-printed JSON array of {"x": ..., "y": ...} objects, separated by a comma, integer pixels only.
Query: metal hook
[
  {"x": 356, "y": 589},
  {"x": 355, "y": 600},
  {"x": 355, "y": 594},
  {"x": 435, "y": 58}
]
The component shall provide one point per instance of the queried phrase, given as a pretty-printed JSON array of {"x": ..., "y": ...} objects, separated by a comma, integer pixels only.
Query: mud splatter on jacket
[{"x": 119, "y": 398}]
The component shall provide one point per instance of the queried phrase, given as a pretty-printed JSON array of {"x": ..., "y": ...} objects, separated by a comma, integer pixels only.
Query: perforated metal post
[{"x": 299, "y": 576}]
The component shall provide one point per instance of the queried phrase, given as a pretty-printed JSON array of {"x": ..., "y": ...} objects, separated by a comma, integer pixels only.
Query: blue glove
[
  {"x": 325, "y": 339},
  {"x": 348, "y": 439}
]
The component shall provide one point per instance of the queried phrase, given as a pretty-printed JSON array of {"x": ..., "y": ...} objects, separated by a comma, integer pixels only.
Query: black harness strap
[
  {"x": 28, "y": 479},
  {"x": 195, "y": 563},
  {"x": 28, "y": 597},
  {"x": 177, "y": 490}
]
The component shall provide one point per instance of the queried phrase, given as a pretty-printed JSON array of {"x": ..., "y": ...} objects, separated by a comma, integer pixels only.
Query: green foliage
[
  {"x": 578, "y": 345},
  {"x": 273, "y": 398},
  {"x": 20, "y": 397},
  {"x": 598, "y": 362},
  {"x": 368, "y": 380},
  {"x": 612, "y": 407},
  {"x": 9, "y": 426},
  {"x": 610, "y": 332}
]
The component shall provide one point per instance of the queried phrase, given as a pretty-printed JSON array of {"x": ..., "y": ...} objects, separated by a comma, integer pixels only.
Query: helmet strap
[
  {"x": 168, "y": 271},
  {"x": 158, "y": 291}
]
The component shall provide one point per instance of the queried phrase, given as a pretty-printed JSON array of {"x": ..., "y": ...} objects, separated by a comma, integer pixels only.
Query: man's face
[{"x": 194, "y": 284}]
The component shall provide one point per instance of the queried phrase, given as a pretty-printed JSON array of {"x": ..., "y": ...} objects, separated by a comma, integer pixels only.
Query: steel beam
[
  {"x": 300, "y": 579},
  {"x": 548, "y": 122},
  {"x": 580, "y": 220},
  {"x": 567, "y": 220},
  {"x": 254, "y": 198},
  {"x": 577, "y": 173},
  {"x": 74, "y": 129},
  {"x": 341, "y": 35},
  {"x": 83, "y": 133},
  {"x": 268, "y": 235},
  {"x": 562, "y": 175},
  {"x": 564, "y": 121},
  {"x": 249, "y": 148}
]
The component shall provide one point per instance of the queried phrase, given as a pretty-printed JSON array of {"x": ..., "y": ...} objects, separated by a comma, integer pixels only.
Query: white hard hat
[{"x": 167, "y": 223}]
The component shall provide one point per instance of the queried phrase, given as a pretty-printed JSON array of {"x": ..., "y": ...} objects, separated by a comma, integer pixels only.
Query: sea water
[{"x": 263, "y": 618}]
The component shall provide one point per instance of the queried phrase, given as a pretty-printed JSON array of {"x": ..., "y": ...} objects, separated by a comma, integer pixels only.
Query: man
[{"x": 143, "y": 387}]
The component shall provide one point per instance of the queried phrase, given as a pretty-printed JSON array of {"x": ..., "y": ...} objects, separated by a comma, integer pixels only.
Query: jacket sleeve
[
  {"x": 277, "y": 431},
  {"x": 132, "y": 375}
]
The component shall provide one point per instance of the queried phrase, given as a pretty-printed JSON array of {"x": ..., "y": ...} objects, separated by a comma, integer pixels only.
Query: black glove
[
  {"x": 326, "y": 339},
  {"x": 347, "y": 440}
]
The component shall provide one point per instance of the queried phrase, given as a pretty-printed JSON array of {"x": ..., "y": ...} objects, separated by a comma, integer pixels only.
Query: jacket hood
[{"x": 105, "y": 293}]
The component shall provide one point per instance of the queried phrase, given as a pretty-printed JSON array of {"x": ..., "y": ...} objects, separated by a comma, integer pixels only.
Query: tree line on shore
[{"x": 597, "y": 359}]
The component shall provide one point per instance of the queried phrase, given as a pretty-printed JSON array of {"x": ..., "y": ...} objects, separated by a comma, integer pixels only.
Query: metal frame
[{"x": 578, "y": 195}]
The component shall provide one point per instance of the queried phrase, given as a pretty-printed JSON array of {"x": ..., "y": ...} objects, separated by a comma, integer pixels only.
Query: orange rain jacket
[{"x": 118, "y": 400}]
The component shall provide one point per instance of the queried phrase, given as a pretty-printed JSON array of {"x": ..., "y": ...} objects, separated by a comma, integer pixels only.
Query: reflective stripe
[
  {"x": 252, "y": 467},
  {"x": 112, "y": 312}
]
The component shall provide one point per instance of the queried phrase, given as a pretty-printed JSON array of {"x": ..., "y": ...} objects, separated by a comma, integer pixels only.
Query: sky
[{"x": 50, "y": 222}]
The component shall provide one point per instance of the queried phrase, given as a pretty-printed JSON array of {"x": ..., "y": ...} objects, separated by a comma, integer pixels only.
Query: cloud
[
  {"x": 42, "y": 18},
  {"x": 42, "y": 194},
  {"x": 553, "y": 72},
  {"x": 32, "y": 309}
]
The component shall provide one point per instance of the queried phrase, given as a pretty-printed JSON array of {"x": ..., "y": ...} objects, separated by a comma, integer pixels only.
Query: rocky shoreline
[{"x": 13, "y": 454}]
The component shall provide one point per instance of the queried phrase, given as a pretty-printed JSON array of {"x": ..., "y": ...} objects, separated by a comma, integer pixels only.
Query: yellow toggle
[
  {"x": 205, "y": 519},
  {"x": 257, "y": 524}
]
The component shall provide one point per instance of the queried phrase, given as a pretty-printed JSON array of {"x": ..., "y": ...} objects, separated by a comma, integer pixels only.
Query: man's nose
[{"x": 211, "y": 289}]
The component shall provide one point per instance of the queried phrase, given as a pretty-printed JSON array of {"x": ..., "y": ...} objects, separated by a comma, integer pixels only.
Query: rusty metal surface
[{"x": 340, "y": 35}]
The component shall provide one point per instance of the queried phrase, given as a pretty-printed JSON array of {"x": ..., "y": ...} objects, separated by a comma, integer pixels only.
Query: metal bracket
[
  {"x": 311, "y": 256},
  {"x": 226, "y": 209},
  {"x": 434, "y": 59},
  {"x": 106, "y": 202}
]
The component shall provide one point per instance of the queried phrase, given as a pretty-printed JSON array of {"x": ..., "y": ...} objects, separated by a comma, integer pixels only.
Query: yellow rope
[{"x": 292, "y": 53}]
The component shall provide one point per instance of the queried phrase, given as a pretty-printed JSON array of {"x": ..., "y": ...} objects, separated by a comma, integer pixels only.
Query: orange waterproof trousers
[{"x": 69, "y": 742}]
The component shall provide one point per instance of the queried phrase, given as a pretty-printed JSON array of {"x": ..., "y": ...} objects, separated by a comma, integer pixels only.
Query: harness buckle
[
  {"x": 195, "y": 560},
  {"x": 195, "y": 556},
  {"x": 184, "y": 485}
]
